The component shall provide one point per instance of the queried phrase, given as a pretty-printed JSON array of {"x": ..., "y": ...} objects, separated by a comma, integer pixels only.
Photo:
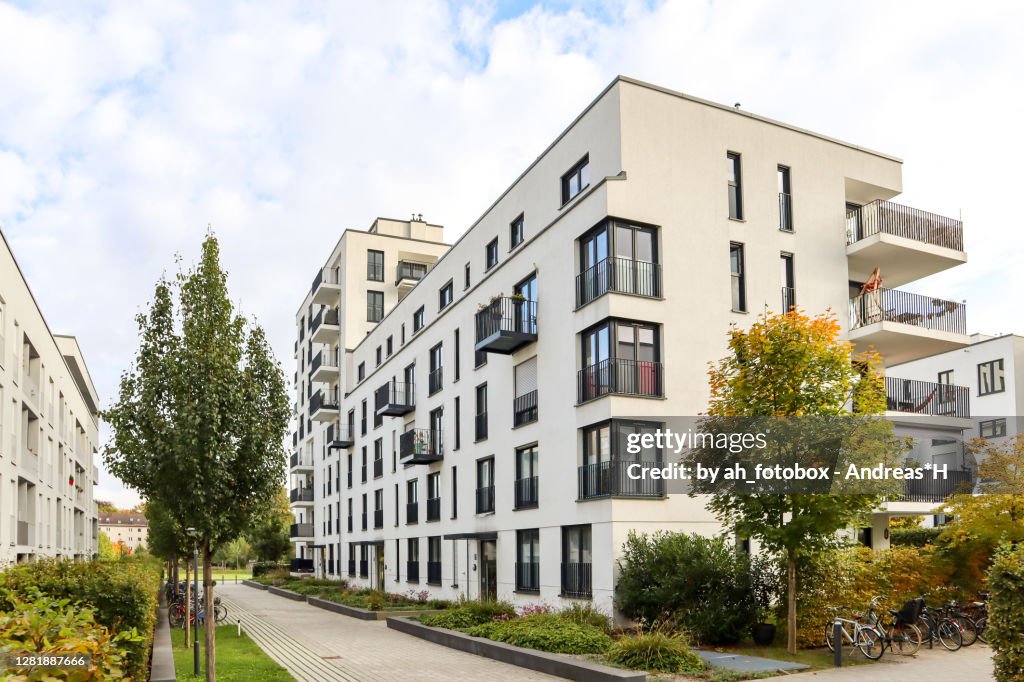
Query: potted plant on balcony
[{"x": 765, "y": 587}]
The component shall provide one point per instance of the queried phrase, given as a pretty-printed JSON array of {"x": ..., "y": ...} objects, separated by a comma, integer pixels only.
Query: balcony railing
[
  {"x": 620, "y": 275},
  {"x": 319, "y": 401},
  {"x": 302, "y": 495},
  {"x": 409, "y": 270},
  {"x": 926, "y": 397},
  {"x": 887, "y": 217},
  {"x": 300, "y": 459},
  {"x": 338, "y": 436},
  {"x": 480, "y": 426},
  {"x": 433, "y": 572},
  {"x": 485, "y": 499},
  {"x": 893, "y": 305},
  {"x": 325, "y": 360},
  {"x": 505, "y": 324},
  {"x": 611, "y": 479},
  {"x": 324, "y": 276},
  {"x": 364, "y": 568},
  {"x": 526, "y": 490},
  {"x": 412, "y": 512},
  {"x": 435, "y": 380},
  {"x": 420, "y": 446},
  {"x": 301, "y": 530},
  {"x": 434, "y": 509},
  {"x": 928, "y": 489},
  {"x": 378, "y": 468},
  {"x": 785, "y": 212},
  {"x": 527, "y": 576},
  {"x": 412, "y": 571},
  {"x": 524, "y": 409},
  {"x": 378, "y": 518},
  {"x": 619, "y": 376},
  {"x": 788, "y": 299},
  {"x": 301, "y": 565},
  {"x": 395, "y": 398},
  {"x": 352, "y": 567},
  {"x": 576, "y": 580},
  {"x": 324, "y": 316}
]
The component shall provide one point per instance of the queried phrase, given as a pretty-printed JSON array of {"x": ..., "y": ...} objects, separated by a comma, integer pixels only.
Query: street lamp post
[{"x": 195, "y": 600}]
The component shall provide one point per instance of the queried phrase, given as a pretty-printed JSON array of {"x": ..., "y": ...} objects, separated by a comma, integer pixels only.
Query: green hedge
[
  {"x": 913, "y": 537},
  {"x": 121, "y": 594},
  {"x": 1006, "y": 613},
  {"x": 545, "y": 632},
  {"x": 263, "y": 567}
]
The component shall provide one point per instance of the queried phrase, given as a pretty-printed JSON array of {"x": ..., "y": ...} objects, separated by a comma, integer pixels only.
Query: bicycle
[
  {"x": 902, "y": 637},
  {"x": 968, "y": 628},
  {"x": 978, "y": 612},
  {"x": 864, "y": 638},
  {"x": 937, "y": 625}
]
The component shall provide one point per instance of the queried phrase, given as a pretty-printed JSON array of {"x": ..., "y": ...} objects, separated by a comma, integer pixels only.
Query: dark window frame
[
  {"x": 580, "y": 172},
  {"x": 374, "y": 311},
  {"x": 445, "y": 295},
  {"x": 992, "y": 366},
  {"x": 491, "y": 254},
  {"x": 516, "y": 232},
  {"x": 374, "y": 270},
  {"x": 738, "y": 278},
  {"x": 735, "y": 185}
]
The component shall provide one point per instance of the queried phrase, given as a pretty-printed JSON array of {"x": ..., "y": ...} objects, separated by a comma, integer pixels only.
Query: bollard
[
  {"x": 239, "y": 627},
  {"x": 837, "y": 644}
]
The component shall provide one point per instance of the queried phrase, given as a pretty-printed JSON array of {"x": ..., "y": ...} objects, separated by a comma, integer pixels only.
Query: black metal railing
[
  {"x": 485, "y": 499},
  {"x": 893, "y": 305},
  {"x": 378, "y": 468},
  {"x": 395, "y": 395},
  {"x": 351, "y": 567},
  {"x": 785, "y": 212},
  {"x": 338, "y": 436},
  {"x": 619, "y": 376},
  {"x": 324, "y": 316},
  {"x": 788, "y": 299},
  {"x": 433, "y": 572},
  {"x": 409, "y": 270},
  {"x": 526, "y": 490},
  {"x": 926, "y": 397},
  {"x": 528, "y": 576},
  {"x": 524, "y": 409},
  {"x": 424, "y": 443},
  {"x": 930, "y": 489},
  {"x": 412, "y": 512},
  {"x": 324, "y": 276},
  {"x": 323, "y": 359},
  {"x": 378, "y": 518},
  {"x": 301, "y": 565},
  {"x": 506, "y": 314},
  {"x": 364, "y": 568},
  {"x": 612, "y": 479},
  {"x": 576, "y": 580},
  {"x": 902, "y": 221},
  {"x": 435, "y": 380},
  {"x": 433, "y": 509},
  {"x": 480, "y": 426},
  {"x": 302, "y": 495},
  {"x": 619, "y": 275},
  {"x": 301, "y": 530},
  {"x": 299, "y": 459},
  {"x": 412, "y": 571},
  {"x": 320, "y": 401}
]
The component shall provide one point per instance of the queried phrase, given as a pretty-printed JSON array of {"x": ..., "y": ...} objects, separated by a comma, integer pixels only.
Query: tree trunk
[
  {"x": 791, "y": 600},
  {"x": 210, "y": 624},
  {"x": 188, "y": 609}
]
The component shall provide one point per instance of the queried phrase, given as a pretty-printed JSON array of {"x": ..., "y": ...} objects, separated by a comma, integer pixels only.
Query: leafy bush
[
  {"x": 699, "y": 582},
  {"x": 121, "y": 594},
  {"x": 55, "y": 627},
  {"x": 545, "y": 632},
  {"x": 913, "y": 537},
  {"x": 586, "y": 614},
  {"x": 469, "y": 614},
  {"x": 657, "y": 651},
  {"x": 261, "y": 568},
  {"x": 1006, "y": 612}
]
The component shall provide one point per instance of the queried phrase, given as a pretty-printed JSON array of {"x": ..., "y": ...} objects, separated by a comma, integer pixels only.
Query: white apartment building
[
  {"x": 49, "y": 425},
  {"x": 461, "y": 421},
  {"x": 130, "y": 528}
]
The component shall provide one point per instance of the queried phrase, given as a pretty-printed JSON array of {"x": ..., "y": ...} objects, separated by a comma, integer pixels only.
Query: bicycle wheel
[
  {"x": 982, "y": 624},
  {"x": 949, "y": 635},
  {"x": 174, "y": 617},
  {"x": 870, "y": 643},
  {"x": 220, "y": 613},
  {"x": 847, "y": 638},
  {"x": 906, "y": 640},
  {"x": 968, "y": 629}
]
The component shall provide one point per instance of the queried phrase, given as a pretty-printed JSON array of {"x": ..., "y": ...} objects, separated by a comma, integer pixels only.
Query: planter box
[
  {"x": 365, "y": 614},
  {"x": 541, "y": 661},
  {"x": 287, "y": 594},
  {"x": 258, "y": 586}
]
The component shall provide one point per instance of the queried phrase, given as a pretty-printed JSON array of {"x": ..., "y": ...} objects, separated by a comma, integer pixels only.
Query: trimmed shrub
[
  {"x": 586, "y": 614},
  {"x": 1006, "y": 613},
  {"x": 469, "y": 614},
  {"x": 656, "y": 651},
  {"x": 261, "y": 568},
  {"x": 545, "y": 632},
  {"x": 913, "y": 537},
  {"x": 698, "y": 582}
]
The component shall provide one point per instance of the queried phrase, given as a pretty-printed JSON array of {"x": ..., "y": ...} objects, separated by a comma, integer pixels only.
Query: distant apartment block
[
  {"x": 461, "y": 411},
  {"x": 130, "y": 529},
  {"x": 48, "y": 432}
]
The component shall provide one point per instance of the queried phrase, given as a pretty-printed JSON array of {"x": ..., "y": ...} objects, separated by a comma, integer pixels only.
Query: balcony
[
  {"x": 301, "y": 531},
  {"x": 395, "y": 399},
  {"x": 412, "y": 512},
  {"x": 524, "y": 409},
  {"x": 412, "y": 571},
  {"x": 903, "y": 326},
  {"x": 937, "y": 490},
  {"x": 433, "y": 572},
  {"x": 434, "y": 509},
  {"x": 408, "y": 273},
  {"x": 420, "y": 446},
  {"x": 576, "y": 580},
  {"x": 527, "y": 576},
  {"x": 324, "y": 407},
  {"x": 526, "y": 490},
  {"x": 378, "y": 518},
  {"x": 338, "y": 436},
  {"x": 905, "y": 243},
  {"x": 620, "y": 377},
  {"x": 302, "y": 496},
  {"x": 505, "y": 325},
  {"x": 910, "y": 396},
  {"x": 324, "y": 367},
  {"x": 326, "y": 287},
  {"x": 324, "y": 326},
  {"x": 485, "y": 499},
  {"x": 611, "y": 479},
  {"x": 300, "y": 461},
  {"x": 618, "y": 275}
]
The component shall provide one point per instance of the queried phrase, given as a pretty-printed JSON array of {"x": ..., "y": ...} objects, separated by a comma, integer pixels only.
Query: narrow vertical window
[
  {"x": 739, "y": 285},
  {"x": 374, "y": 306},
  {"x": 735, "y": 187},
  {"x": 375, "y": 266},
  {"x": 466, "y": 277},
  {"x": 492, "y": 253},
  {"x": 515, "y": 232},
  {"x": 788, "y": 285},
  {"x": 785, "y": 201}
]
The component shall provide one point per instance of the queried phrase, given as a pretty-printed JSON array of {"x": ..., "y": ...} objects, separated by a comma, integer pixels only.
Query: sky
[{"x": 128, "y": 127}]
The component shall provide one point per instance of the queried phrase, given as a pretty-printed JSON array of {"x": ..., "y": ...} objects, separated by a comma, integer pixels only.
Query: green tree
[
  {"x": 792, "y": 365},
  {"x": 269, "y": 534},
  {"x": 201, "y": 415},
  {"x": 106, "y": 547},
  {"x": 105, "y": 507},
  {"x": 234, "y": 553}
]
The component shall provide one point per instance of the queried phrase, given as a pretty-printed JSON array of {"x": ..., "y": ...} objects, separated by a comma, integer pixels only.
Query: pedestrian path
[
  {"x": 970, "y": 664},
  {"x": 314, "y": 644}
]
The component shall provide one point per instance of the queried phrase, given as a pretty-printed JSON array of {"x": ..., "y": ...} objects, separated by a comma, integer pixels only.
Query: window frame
[
  {"x": 491, "y": 258},
  {"x": 516, "y": 232},
  {"x": 445, "y": 295},
  {"x": 992, "y": 365},
  {"x": 738, "y": 279},
  {"x": 371, "y": 308},
  {"x": 373, "y": 268},
  {"x": 735, "y": 184},
  {"x": 580, "y": 172}
]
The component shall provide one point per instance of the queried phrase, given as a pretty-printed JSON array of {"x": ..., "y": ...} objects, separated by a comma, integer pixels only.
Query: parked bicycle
[
  {"x": 968, "y": 628},
  {"x": 901, "y": 635},
  {"x": 935, "y": 624},
  {"x": 856, "y": 635}
]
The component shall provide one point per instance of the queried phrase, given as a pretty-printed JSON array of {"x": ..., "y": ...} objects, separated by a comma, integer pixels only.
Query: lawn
[{"x": 239, "y": 659}]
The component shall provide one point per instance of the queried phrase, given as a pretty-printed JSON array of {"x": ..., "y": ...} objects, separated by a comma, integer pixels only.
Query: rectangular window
[
  {"x": 378, "y": 458},
  {"x": 576, "y": 180},
  {"x": 528, "y": 560},
  {"x": 466, "y": 277},
  {"x": 375, "y": 266},
  {"x": 417, "y": 320},
  {"x": 993, "y": 428},
  {"x": 436, "y": 430},
  {"x": 445, "y": 296},
  {"x": 349, "y": 471},
  {"x": 389, "y": 346},
  {"x": 434, "y": 496},
  {"x": 361, "y": 371},
  {"x": 991, "y": 377},
  {"x": 380, "y": 356},
  {"x": 492, "y": 254},
  {"x": 456, "y": 346},
  {"x": 402, "y": 334},
  {"x": 788, "y": 283},
  {"x": 378, "y": 508},
  {"x": 526, "y": 488},
  {"x": 485, "y": 486},
  {"x": 457, "y": 441},
  {"x": 362, "y": 421},
  {"x": 374, "y": 306},
  {"x": 739, "y": 284},
  {"x": 364, "y": 466},
  {"x": 515, "y": 232},
  {"x": 364, "y": 508},
  {"x": 479, "y": 358},
  {"x": 524, "y": 407},
  {"x": 785, "y": 201},
  {"x": 618, "y": 256},
  {"x": 412, "y": 568},
  {"x": 576, "y": 561},
  {"x": 735, "y": 186},
  {"x": 435, "y": 379},
  {"x": 622, "y": 357},
  {"x": 480, "y": 428},
  {"x": 455, "y": 493}
]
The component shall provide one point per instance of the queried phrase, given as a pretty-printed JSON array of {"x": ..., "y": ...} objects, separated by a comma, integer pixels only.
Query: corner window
[
  {"x": 375, "y": 266},
  {"x": 735, "y": 186},
  {"x": 576, "y": 180},
  {"x": 991, "y": 377},
  {"x": 492, "y": 253},
  {"x": 515, "y": 232}
]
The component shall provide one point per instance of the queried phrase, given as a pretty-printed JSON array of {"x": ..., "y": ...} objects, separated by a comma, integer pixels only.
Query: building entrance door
[
  {"x": 488, "y": 570},
  {"x": 379, "y": 567}
]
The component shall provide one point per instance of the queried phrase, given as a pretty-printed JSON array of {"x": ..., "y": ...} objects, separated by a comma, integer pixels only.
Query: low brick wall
[{"x": 541, "y": 661}]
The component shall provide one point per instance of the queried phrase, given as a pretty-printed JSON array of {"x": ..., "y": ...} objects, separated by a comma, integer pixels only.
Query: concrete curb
[
  {"x": 287, "y": 594},
  {"x": 161, "y": 668},
  {"x": 258, "y": 586},
  {"x": 541, "y": 661},
  {"x": 364, "y": 614}
]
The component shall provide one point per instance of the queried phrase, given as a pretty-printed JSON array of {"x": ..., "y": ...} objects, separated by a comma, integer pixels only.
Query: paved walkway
[
  {"x": 315, "y": 645},
  {"x": 970, "y": 664}
]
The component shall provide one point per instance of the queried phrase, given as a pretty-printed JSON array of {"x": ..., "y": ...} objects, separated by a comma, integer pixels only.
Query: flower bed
[{"x": 339, "y": 592}]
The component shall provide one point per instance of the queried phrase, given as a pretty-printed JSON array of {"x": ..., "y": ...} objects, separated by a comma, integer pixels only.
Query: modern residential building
[
  {"x": 48, "y": 432},
  {"x": 130, "y": 528},
  {"x": 466, "y": 434}
]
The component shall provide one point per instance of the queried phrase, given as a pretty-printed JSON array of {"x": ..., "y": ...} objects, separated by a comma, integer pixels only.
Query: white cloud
[{"x": 126, "y": 128}]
